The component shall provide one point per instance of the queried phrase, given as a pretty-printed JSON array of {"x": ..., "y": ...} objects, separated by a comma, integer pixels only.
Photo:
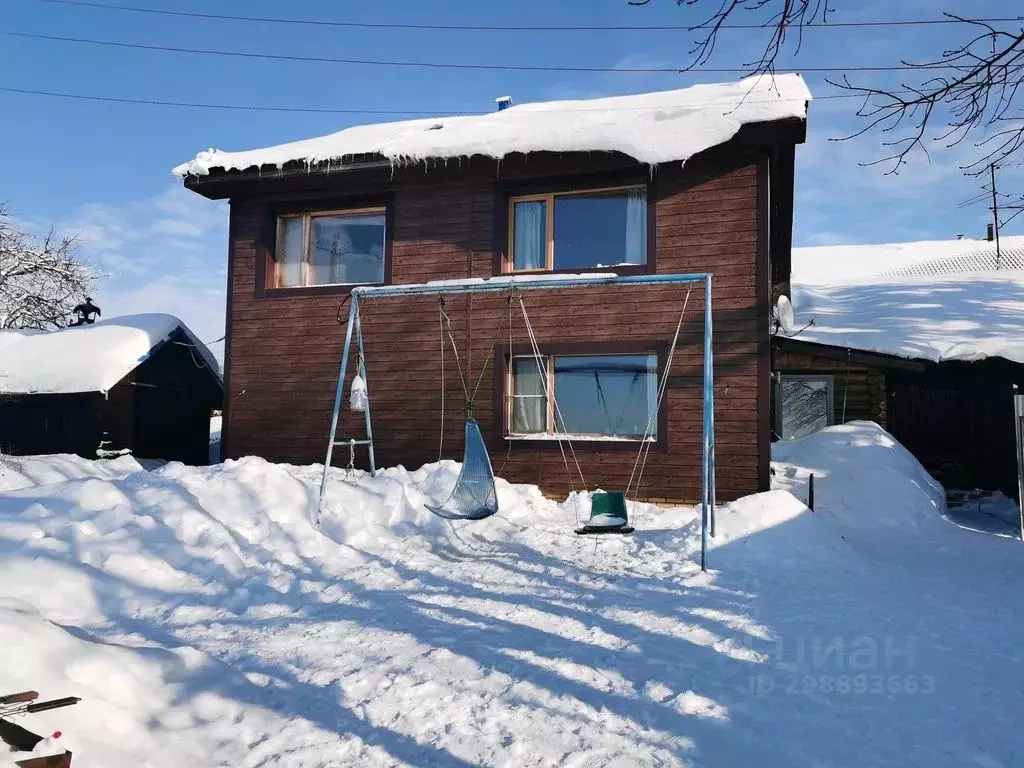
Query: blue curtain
[
  {"x": 530, "y": 235},
  {"x": 636, "y": 226}
]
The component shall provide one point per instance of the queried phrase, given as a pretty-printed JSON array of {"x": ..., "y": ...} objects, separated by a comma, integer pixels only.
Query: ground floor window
[
  {"x": 599, "y": 396},
  {"x": 805, "y": 403}
]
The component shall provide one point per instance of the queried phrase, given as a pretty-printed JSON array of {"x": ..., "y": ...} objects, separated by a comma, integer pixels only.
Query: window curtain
[
  {"x": 289, "y": 259},
  {"x": 530, "y": 235},
  {"x": 636, "y": 226},
  {"x": 651, "y": 419},
  {"x": 530, "y": 404}
]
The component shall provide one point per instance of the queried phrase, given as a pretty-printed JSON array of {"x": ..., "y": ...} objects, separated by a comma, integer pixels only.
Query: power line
[
  {"x": 329, "y": 110},
  {"x": 445, "y": 65},
  {"x": 242, "y": 107},
  {"x": 503, "y": 28}
]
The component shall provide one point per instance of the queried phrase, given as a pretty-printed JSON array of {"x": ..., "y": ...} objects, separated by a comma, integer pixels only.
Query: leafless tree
[
  {"x": 968, "y": 92},
  {"x": 41, "y": 278}
]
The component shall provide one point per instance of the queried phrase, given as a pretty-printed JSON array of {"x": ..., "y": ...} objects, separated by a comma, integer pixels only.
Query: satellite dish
[{"x": 784, "y": 315}]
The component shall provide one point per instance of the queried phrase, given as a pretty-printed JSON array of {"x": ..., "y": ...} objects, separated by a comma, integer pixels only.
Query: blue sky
[{"x": 104, "y": 169}]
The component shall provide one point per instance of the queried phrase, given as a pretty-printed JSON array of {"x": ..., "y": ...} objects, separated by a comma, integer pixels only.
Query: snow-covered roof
[
  {"x": 652, "y": 128},
  {"x": 88, "y": 358},
  {"x": 941, "y": 300},
  {"x": 981, "y": 260},
  {"x": 831, "y": 264}
]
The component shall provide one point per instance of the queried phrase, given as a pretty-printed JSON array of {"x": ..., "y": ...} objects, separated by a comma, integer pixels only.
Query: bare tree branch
[
  {"x": 987, "y": 74},
  {"x": 41, "y": 280},
  {"x": 975, "y": 98}
]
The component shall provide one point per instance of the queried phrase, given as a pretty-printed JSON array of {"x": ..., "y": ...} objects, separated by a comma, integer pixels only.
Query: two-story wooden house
[{"x": 691, "y": 180}]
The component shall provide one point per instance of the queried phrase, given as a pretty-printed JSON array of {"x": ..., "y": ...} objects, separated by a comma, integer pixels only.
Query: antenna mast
[{"x": 995, "y": 214}]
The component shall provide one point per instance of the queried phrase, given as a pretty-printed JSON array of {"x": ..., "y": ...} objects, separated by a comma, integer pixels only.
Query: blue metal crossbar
[
  {"x": 521, "y": 283},
  {"x": 524, "y": 283}
]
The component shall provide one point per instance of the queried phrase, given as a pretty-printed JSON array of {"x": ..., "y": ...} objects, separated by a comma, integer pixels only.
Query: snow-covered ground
[
  {"x": 205, "y": 621},
  {"x": 991, "y": 512}
]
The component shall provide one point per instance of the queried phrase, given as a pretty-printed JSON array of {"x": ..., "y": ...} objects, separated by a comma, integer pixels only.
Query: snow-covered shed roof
[
  {"x": 88, "y": 358},
  {"x": 652, "y": 128},
  {"x": 937, "y": 300}
]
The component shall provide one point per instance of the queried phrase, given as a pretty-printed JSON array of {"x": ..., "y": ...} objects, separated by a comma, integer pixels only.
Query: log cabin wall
[
  {"x": 859, "y": 389},
  {"x": 448, "y": 221}
]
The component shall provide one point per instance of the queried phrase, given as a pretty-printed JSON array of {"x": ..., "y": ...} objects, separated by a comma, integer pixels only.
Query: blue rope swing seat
[{"x": 474, "y": 496}]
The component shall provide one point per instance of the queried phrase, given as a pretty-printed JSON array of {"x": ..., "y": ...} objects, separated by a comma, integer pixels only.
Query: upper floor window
[
  {"x": 578, "y": 230},
  {"x": 330, "y": 248}
]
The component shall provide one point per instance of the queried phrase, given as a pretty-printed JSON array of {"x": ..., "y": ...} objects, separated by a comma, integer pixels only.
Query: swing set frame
[{"x": 528, "y": 283}]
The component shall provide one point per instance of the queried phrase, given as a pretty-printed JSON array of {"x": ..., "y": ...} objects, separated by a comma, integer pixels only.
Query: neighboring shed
[
  {"x": 142, "y": 383},
  {"x": 926, "y": 339}
]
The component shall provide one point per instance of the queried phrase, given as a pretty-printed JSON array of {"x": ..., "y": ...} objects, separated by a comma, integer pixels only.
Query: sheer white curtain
[
  {"x": 530, "y": 405},
  {"x": 289, "y": 256},
  {"x": 636, "y": 226},
  {"x": 530, "y": 234}
]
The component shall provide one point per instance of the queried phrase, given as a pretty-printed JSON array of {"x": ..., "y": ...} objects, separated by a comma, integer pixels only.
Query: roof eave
[{"x": 220, "y": 184}]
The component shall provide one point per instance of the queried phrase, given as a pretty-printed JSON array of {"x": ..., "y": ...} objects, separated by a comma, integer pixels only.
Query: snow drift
[
  {"x": 652, "y": 128},
  {"x": 863, "y": 477}
]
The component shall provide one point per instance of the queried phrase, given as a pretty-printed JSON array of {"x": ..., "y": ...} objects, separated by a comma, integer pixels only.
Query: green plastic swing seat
[{"x": 607, "y": 514}]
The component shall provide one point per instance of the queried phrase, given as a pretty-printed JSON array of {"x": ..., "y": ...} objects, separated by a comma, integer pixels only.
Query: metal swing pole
[
  {"x": 366, "y": 410},
  {"x": 710, "y": 357},
  {"x": 706, "y": 480}
]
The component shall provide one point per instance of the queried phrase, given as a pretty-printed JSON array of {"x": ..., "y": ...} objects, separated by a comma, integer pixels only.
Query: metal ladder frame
[{"x": 354, "y": 322}]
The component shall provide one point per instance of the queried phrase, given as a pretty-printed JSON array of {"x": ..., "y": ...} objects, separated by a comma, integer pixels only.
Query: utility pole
[{"x": 995, "y": 213}]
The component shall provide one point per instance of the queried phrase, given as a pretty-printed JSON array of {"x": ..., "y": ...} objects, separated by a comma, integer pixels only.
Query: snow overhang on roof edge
[{"x": 652, "y": 128}]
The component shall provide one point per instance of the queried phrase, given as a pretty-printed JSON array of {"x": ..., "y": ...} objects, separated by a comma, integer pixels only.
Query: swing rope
[
  {"x": 446, "y": 328},
  {"x": 645, "y": 446},
  {"x": 510, "y": 405},
  {"x": 549, "y": 395},
  {"x": 440, "y": 442}
]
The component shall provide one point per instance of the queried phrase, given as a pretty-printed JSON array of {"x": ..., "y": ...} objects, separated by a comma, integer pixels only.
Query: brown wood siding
[
  {"x": 859, "y": 389},
  {"x": 283, "y": 350}
]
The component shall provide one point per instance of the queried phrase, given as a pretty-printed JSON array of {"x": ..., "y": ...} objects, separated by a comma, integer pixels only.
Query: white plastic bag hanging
[{"x": 357, "y": 395}]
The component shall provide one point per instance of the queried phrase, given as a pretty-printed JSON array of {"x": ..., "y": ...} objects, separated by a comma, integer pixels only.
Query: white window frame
[
  {"x": 274, "y": 279},
  {"x": 830, "y": 394},
  {"x": 509, "y": 262},
  {"x": 549, "y": 432}
]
